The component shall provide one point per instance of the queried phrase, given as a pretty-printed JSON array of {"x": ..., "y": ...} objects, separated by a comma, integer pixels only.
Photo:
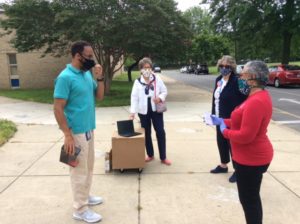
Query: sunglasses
[{"x": 224, "y": 66}]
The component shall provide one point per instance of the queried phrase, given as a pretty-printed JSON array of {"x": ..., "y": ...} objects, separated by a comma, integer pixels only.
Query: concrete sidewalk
[{"x": 35, "y": 187}]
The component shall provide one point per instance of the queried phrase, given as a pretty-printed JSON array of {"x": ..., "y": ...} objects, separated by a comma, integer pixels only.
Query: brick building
[{"x": 27, "y": 70}]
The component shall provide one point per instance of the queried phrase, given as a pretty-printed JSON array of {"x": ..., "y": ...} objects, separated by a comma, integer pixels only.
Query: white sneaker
[
  {"x": 94, "y": 200},
  {"x": 88, "y": 216}
]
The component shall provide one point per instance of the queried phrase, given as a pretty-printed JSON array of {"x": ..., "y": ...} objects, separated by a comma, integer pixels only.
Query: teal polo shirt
[{"x": 78, "y": 88}]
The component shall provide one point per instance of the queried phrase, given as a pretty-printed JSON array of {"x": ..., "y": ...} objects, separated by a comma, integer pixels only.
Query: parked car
[
  {"x": 156, "y": 68},
  {"x": 284, "y": 75},
  {"x": 191, "y": 69},
  {"x": 201, "y": 69},
  {"x": 184, "y": 69},
  {"x": 239, "y": 68}
]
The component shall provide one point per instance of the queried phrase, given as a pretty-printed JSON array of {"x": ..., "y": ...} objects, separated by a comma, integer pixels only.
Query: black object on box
[
  {"x": 126, "y": 129},
  {"x": 70, "y": 160}
]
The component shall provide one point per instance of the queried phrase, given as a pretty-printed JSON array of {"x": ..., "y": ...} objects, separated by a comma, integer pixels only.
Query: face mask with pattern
[
  {"x": 244, "y": 87},
  {"x": 146, "y": 72},
  {"x": 225, "y": 71}
]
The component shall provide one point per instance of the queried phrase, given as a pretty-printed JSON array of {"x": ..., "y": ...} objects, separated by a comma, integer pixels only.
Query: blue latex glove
[
  {"x": 222, "y": 126},
  {"x": 216, "y": 120}
]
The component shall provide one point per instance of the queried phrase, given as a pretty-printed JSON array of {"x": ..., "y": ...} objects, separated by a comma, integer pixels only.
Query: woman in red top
[{"x": 246, "y": 129}]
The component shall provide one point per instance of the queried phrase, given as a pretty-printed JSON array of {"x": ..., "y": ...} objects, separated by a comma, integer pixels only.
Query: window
[
  {"x": 12, "y": 58},
  {"x": 13, "y": 69}
]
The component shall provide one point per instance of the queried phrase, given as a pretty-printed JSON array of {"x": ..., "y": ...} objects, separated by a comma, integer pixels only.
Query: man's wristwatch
[{"x": 100, "y": 79}]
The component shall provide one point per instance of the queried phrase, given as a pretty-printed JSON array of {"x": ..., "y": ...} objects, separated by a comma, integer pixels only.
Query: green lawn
[
  {"x": 120, "y": 91},
  {"x": 35, "y": 95},
  {"x": 118, "y": 96},
  {"x": 7, "y": 130},
  {"x": 213, "y": 69},
  {"x": 124, "y": 77}
]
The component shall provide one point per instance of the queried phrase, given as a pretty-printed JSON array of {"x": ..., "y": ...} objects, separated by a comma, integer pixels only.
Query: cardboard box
[{"x": 128, "y": 152}]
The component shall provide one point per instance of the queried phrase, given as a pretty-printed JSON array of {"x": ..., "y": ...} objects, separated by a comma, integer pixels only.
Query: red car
[{"x": 284, "y": 75}]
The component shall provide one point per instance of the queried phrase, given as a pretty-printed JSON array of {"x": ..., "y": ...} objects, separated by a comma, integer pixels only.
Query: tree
[
  {"x": 115, "y": 28},
  {"x": 52, "y": 26},
  {"x": 208, "y": 48},
  {"x": 159, "y": 31},
  {"x": 200, "y": 20},
  {"x": 207, "y": 45},
  {"x": 260, "y": 26}
]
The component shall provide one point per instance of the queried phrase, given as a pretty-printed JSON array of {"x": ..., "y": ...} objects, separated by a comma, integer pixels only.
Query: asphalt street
[{"x": 286, "y": 100}]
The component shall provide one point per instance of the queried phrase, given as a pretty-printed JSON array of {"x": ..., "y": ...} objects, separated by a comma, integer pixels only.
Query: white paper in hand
[{"x": 207, "y": 118}]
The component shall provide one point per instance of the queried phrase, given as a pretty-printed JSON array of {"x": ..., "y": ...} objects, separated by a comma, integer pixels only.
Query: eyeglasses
[{"x": 224, "y": 66}]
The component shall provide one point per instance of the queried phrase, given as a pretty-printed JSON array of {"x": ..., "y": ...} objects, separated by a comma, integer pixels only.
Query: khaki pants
[{"x": 81, "y": 175}]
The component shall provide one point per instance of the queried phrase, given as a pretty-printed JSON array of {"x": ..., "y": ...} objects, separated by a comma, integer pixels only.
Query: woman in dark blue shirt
[{"x": 226, "y": 97}]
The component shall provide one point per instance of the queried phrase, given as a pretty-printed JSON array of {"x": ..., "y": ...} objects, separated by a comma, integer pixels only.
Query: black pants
[
  {"x": 158, "y": 124},
  {"x": 224, "y": 147},
  {"x": 249, "y": 180}
]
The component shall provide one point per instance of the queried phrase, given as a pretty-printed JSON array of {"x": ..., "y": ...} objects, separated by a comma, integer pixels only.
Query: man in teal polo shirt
[{"x": 74, "y": 108}]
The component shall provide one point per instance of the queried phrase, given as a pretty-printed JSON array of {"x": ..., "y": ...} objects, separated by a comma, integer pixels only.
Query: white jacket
[{"x": 139, "y": 98}]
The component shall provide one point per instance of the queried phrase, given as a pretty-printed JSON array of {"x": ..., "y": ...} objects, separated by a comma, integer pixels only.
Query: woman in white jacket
[{"x": 147, "y": 91}]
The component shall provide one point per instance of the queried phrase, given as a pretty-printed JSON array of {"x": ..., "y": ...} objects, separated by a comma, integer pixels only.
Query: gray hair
[
  {"x": 228, "y": 60},
  {"x": 144, "y": 61},
  {"x": 259, "y": 70}
]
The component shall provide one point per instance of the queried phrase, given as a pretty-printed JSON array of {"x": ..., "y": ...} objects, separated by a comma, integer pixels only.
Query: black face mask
[{"x": 87, "y": 64}]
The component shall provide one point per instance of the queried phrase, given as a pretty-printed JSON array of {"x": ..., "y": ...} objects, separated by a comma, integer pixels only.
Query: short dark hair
[{"x": 78, "y": 47}]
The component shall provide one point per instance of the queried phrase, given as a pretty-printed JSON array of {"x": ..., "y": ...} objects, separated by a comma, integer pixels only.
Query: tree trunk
[
  {"x": 108, "y": 75},
  {"x": 286, "y": 47},
  {"x": 107, "y": 85},
  {"x": 289, "y": 10},
  {"x": 130, "y": 69}
]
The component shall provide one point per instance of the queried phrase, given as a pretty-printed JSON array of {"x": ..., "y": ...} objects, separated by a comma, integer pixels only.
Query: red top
[{"x": 248, "y": 130}]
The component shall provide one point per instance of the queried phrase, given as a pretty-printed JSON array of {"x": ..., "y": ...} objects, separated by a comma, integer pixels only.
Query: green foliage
[
  {"x": 23, "y": 18},
  {"x": 7, "y": 130},
  {"x": 116, "y": 29},
  {"x": 295, "y": 48},
  {"x": 129, "y": 61},
  {"x": 200, "y": 21},
  {"x": 259, "y": 29},
  {"x": 208, "y": 48},
  {"x": 160, "y": 31}
]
